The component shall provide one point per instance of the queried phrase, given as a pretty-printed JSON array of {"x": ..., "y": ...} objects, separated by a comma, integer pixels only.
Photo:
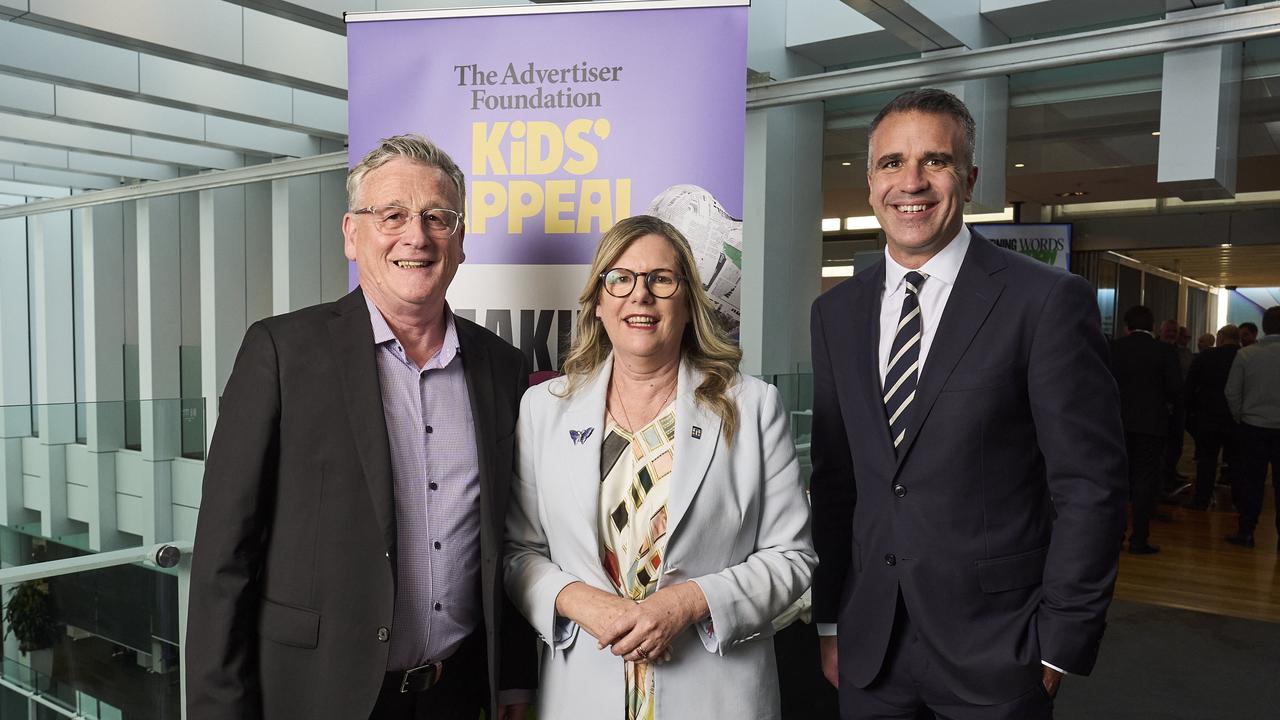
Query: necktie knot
[{"x": 914, "y": 281}]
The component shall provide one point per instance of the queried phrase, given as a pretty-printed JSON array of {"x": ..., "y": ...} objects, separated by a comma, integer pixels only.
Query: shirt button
[
  {"x": 890, "y": 560},
  {"x": 429, "y": 430},
  {"x": 900, "y": 490},
  {"x": 433, "y": 485},
  {"x": 439, "y": 606},
  {"x": 437, "y": 544},
  {"x": 383, "y": 634}
]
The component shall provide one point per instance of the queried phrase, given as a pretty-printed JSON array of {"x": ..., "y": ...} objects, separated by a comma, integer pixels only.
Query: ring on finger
[{"x": 642, "y": 653}]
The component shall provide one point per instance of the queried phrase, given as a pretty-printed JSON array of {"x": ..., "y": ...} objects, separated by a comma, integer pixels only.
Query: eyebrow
[{"x": 945, "y": 157}]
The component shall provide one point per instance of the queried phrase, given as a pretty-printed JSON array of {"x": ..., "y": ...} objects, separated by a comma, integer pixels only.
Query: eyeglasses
[
  {"x": 394, "y": 220},
  {"x": 620, "y": 282}
]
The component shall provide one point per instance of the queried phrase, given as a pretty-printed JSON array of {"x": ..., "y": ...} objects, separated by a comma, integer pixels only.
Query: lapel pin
[
  {"x": 697, "y": 433},
  {"x": 579, "y": 437}
]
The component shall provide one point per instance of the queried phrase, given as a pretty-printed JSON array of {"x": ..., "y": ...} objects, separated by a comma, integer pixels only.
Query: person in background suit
[
  {"x": 1170, "y": 479},
  {"x": 659, "y": 524},
  {"x": 1208, "y": 417},
  {"x": 1248, "y": 334},
  {"x": 348, "y": 550},
  {"x": 1146, "y": 370},
  {"x": 968, "y": 468},
  {"x": 1205, "y": 342},
  {"x": 1253, "y": 394}
]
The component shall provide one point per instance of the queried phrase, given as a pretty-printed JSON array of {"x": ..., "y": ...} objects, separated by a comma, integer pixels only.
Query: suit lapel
[
  {"x": 694, "y": 449},
  {"x": 581, "y": 458},
  {"x": 866, "y": 356},
  {"x": 968, "y": 306},
  {"x": 352, "y": 338},
  {"x": 477, "y": 367}
]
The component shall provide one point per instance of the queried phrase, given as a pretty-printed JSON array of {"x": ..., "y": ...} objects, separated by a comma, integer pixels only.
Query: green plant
[{"x": 29, "y": 616}]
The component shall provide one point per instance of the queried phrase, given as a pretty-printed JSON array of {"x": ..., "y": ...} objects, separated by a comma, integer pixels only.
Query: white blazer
[{"x": 738, "y": 522}]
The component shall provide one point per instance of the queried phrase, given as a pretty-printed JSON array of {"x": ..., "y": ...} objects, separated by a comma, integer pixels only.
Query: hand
[
  {"x": 645, "y": 632},
  {"x": 593, "y": 609},
  {"x": 517, "y": 711},
  {"x": 830, "y": 654},
  {"x": 1051, "y": 679}
]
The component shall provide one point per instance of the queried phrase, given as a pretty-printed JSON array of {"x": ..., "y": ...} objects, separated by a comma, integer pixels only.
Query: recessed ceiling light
[
  {"x": 1155, "y": 133},
  {"x": 1072, "y": 193},
  {"x": 846, "y": 164},
  {"x": 1019, "y": 165}
]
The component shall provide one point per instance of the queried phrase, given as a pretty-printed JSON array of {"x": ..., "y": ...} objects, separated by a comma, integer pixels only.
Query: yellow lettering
[
  {"x": 540, "y": 164},
  {"x": 488, "y": 201},
  {"x": 486, "y": 148},
  {"x": 588, "y": 156},
  {"x": 622, "y": 198},
  {"x": 553, "y": 221},
  {"x": 526, "y": 201},
  {"x": 517, "y": 148},
  {"x": 594, "y": 205}
]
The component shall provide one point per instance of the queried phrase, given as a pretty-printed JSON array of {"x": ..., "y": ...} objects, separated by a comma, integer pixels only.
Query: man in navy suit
[{"x": 968, "y": 460}]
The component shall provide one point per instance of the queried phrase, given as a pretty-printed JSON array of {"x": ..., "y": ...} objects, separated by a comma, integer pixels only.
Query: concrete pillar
[
  {"x": 159, "y": 336},
  {"x": 334, "y": 266},
  {"x": 103, "y": 267},
  {"x": 222, "y": 291},
  {"x": 15, "y": 367},
  {"x": 988, "y": 103},
  {"x": 1200, "y": 121},
  {"x": 54, "y": 336},
  {"x": 295, "y": 243}
]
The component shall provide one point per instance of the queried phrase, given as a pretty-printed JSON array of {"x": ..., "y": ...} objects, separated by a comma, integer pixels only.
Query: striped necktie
[{"x": 904, "y": 361}]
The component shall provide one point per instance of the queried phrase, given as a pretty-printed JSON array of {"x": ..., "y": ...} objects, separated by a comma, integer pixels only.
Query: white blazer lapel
[
  {"x": 697, "y": 437},
  {"x": 577, "y": 442}
]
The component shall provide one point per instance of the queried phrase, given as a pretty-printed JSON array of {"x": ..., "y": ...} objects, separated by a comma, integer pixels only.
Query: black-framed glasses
[
  {"x": 394, "y": 220},
  {"x": 621, "y": 282}
]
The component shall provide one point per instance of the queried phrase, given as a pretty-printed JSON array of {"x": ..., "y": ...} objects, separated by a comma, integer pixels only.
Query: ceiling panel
[{"x": 1238, "y": 265}]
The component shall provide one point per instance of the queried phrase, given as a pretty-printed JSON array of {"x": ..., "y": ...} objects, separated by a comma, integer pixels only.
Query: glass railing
[
  {"x": 89, "y": 635},
  {"x": 161, "y": 429},
  {"x": 797, "y": 397}
]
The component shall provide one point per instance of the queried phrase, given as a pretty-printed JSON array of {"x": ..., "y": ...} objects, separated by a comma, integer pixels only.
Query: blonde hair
[
  {"x": 704, "y": 343},
  {"x": 413, "y": 147}
]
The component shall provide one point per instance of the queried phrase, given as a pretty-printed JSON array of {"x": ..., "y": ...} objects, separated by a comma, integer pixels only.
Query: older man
[
  {"x": 968, "y": 468},
  {"x": 347, "y": 556}
]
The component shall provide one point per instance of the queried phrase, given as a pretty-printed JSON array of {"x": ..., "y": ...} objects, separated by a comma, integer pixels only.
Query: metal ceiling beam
[
  {"x": 63, "y": 135},
  {"x": 194, "y": 183},
  {"x": 59, "y": 159},
  {"x": 1213, "y": 28}
]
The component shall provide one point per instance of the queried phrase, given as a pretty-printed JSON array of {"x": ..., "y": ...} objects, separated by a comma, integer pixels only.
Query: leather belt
[{"x": 416, "y": 679}]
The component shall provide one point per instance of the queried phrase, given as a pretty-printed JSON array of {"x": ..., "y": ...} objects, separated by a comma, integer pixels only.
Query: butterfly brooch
[{"x": 579, "y": 437}]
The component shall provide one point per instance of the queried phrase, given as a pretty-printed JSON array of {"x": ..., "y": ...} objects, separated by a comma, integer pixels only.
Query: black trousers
[
  {"x": 1258, "y": 448},
  {"x": 461, "y": 694},
  {"x": 1145, "y": 455},
  {"x": 1172, "y": 452},
  {"x": 1212, "y": 438}
]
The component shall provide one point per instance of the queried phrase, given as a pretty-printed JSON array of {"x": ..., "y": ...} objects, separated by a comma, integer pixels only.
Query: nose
[
  {"x": 914, "y": 179},
  {"x": 415, "y": 232}
]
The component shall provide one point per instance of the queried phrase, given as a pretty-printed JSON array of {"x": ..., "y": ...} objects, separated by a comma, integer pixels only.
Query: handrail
[{"x": 163, "y": 555}]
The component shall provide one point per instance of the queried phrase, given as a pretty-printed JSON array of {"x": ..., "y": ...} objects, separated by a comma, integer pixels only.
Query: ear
[
  {"x": 349, "y": 236},
  {"x": 969, "y": 183}
]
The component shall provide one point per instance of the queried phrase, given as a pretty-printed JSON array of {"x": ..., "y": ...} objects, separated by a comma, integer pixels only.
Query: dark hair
[
  {"x": 1139, "y": 317},
  {"x": 933, "y": 102},
  {"x": 1271, "y": 320},
  {"x": 1250, "y": 327}
]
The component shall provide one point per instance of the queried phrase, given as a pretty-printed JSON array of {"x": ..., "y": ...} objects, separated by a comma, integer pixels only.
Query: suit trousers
[
  {"x": 1212, "y": 438},
  {"x": 908, "y": 688},
  {"x": 1145, "y": 455},
  {"x": 1172, "y": 452},
  {"x": 460, "y": 695},
  {"x": 1258, "y": 448}
]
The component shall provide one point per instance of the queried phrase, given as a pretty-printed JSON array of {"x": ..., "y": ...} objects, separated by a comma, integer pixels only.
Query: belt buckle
[{"x": 434, "y": 677}]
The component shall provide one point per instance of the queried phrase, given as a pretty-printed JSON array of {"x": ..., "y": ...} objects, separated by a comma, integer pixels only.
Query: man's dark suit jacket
[
  {"x": 998, "y": 521},
  {"x": 1150, "y": 382},
  {"x": 293, "y": 576},
  {"x": 1205, "y": 389}
]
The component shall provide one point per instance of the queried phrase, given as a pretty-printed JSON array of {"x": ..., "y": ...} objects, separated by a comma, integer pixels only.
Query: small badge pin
[
  {"x": 579, "y": 437},
  {"x": 697, "y": 433}
]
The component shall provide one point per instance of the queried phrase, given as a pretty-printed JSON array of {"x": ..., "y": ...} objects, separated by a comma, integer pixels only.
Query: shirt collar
[
  {"x": 382, "y": 335},
  {"x": 944, "y": 266}
]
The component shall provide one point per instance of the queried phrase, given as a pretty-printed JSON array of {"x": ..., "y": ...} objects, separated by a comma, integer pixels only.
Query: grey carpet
[{"x": 1163, "y": 664}]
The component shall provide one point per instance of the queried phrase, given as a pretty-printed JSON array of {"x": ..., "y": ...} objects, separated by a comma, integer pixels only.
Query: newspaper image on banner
[{"x": 565, "y": 120}]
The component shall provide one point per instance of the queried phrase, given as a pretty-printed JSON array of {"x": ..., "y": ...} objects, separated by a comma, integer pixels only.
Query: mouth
[
  {"x": 411, "y": 264},
  {"x": 913, "y": 208},
  {"x": 640, "y": 321}
]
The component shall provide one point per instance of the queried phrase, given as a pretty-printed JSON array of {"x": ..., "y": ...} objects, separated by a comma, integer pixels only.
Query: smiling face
[
  {"x": 919, "y": 183},
  {"x": 404, "y": 275},
  {"x": 642, "y": 328}
]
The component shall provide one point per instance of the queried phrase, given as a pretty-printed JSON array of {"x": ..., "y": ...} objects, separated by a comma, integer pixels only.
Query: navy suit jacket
[
  {"x": 998, "y": 521},
  {"x": 1150, "y": 382}
]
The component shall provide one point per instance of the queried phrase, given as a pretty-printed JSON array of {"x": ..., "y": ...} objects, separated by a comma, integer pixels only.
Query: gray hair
[
  {"x": 931, "y": 101},
  {"x": 414, "y": 147}
]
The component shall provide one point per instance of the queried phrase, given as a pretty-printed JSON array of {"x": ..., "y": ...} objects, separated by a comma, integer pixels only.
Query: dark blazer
[
  {"x": 1205, "y": 389},
  {"x": 293, "y": 576},
  {"x": 1150, "y": 382},
  {"x": 998, "y": 522}
]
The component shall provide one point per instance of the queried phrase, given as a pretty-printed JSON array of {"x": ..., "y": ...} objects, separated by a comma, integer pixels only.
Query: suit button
[
  {"x": 890, "y": 560},
  {"x": 383, "y": 634},
  {"x": 900, "y": 490}
]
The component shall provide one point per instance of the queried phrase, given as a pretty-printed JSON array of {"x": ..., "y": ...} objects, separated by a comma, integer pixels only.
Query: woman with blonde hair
[{"x": 658, "y": 507}]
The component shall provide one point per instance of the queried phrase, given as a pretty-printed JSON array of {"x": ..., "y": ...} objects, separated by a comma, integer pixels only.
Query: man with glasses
[{"x": 348, "y": 550}]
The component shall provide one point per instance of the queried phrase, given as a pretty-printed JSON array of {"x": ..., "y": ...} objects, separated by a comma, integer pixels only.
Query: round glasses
[
  {"x": 620, "y": 282},
  {"x": 394, "y": 220}
]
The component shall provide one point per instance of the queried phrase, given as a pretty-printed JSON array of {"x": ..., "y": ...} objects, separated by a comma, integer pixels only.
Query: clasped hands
[{"x": 637, "y": 631}]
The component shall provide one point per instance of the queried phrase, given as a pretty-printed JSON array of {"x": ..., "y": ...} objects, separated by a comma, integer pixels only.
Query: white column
[
  {"x": 295, "y": 243},
  {"x": 222, "y": 291},
  {"x": 159, "y": 335},
  {"x": 335, "y": 275},
  {"x": 15, "y": 368},
  {"x": 54, "y": 336},
  {"x": 103, "y": 259},
  {"x": 988, "y": 103},
  {"x": 257, "y": 252}
]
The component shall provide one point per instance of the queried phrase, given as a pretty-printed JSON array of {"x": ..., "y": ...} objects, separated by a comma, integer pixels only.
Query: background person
[
  {"x": 658, "y": 523},
  {"x": 1253, "y": 394}
]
